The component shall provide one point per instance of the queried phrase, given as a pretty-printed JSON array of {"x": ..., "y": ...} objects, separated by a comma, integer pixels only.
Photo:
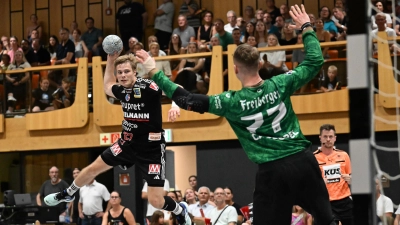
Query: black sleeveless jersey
[{"x": 141, "y": 106}]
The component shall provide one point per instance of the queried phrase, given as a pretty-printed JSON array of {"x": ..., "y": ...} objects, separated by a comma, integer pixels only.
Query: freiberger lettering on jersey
[
  {"x": 130, "y": 106},
  {"x": 271, "y": 98}
]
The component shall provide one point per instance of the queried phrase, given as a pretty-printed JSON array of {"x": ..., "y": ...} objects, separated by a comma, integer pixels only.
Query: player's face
[
  {"x": 125, "y": 75},
  {"x": 328, "y": 137}
]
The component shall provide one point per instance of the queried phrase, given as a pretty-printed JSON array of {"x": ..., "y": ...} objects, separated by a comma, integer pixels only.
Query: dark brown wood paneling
[
  {"x": 55, "y": 17},
  {"x": 16, "y": 5},
  {"x": 68, "y": 2},
  {"x": 82, "y": 9},
  {"x": 109, "y": 25},
  {"x": 94, "y": 1},
  {"x": 68, "y": 16},
  {"x": 5, "y": 14},
  {"x": 42, "y": 4},
  {"x": 29, "y": 9},
  {"x": 95, "y": 11},
  {"x": 17, "y": 28},
  {"x": 43, "y": 15},
  {"x": 311, "y": 7}
]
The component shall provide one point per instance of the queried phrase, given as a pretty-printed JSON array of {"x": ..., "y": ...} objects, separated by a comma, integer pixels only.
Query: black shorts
[
  {"x": 148, "y": 156},
  {"x": 343, "y": 210},
  {"x": 293, "y": 180}
]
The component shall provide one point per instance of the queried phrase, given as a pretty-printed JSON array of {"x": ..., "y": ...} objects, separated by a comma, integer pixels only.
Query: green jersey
[{"x": 262, "y": 117}]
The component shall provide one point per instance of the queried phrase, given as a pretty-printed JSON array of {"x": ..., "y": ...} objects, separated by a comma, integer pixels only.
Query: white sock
[
  {"x": 72, "y": 189},
  {"x": 178, "y": 209}
]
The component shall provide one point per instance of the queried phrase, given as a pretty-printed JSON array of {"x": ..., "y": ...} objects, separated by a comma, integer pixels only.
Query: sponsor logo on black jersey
[
  {"x": 127, "y": 97},
  {"x": 153, "y": 86},
  {"x": 136, "y": 93}
]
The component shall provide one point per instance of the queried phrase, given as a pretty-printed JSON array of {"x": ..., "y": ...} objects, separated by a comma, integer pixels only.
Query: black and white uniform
[{"x": 142, "y": 141}]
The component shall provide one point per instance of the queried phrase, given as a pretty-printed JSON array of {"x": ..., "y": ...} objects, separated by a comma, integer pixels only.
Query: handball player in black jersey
[{"x": 142, "y": 141}]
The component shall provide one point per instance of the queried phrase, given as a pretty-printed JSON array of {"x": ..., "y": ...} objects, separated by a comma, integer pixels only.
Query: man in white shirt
[
  {"x": 223, "y": 214},
  {"x": 91, "y": 203},
  {"x": 380, "y": 19},
  {"x": 384, "y": 205},
  {"x": 151, "y": 209},
  {"x": 231, "y": 16},
  {"x": 202, "y": 209},
  {"x": 388, "y": 23}
]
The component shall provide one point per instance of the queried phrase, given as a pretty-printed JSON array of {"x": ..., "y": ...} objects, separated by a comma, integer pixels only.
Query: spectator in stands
[
  {"x": 380, "y": 9},
  {"x": 298, "y": 54},
  {"x": 6, "y": 43},
  {"x": 312, "y": 19},
  {"x": 185, "y": 32},
  {"x": 42, "y": 97},
  {"x": 13, "y": 47},
  {"x": 132, "y": 21},
  {"x": 272, "y": 10},
  {"x": 341, "y": 4},
  {"x": 34, "y": 34},
  {"x": 322, "y": 35},
  {"x": 118, "y": 213},
  {"x": 229, "y": 201},
  {"x": 273, "y": 61},
  {"x": 193, "y": 183},
  {"x": 16, "y": 83},
  {"x": 162, "y": 65},
  {"x": 301, "y": 217},
  {"x": 5, "y": 60},
  {"x": 74, "y": 204},
  {"x": 50, "y": 186},
  {"x": 329, "y": 25},
  {"x": 34, "y": 25},
  {"x": 341, "y": 22},
  {"x": 380, "y": 19},
  {"x": 261, "y": 34},
  {"x": 225, "y": 38},
  {"x": 250, "y": 30},
  {"x": 226, "y": 217},
  {"x": 164, "y": 16},
  {"x": 212, "y": 200},
  {"x": 259, "y": 15},
  {"x": 288, "y": 36},
  {"x": 52, "y": 47},
  {"x": 28, "y": 52},
  {"x": 251, "y": 40},
  {"x": 284, "y": 10},
  {"x": 158, "y": 218},
  {"x": 81, "y": 50},
  {"x": 151, "y": 209},
  {"x": 231, "y": 17},
  {"x": 173, "y": 195},
  {"x": 201, "y": 209},
  {"x": 330, "y": 83},
  {"x": 93, "y": 37},
  {"x": 249, "y": 14},
  {"x": 64, "y": 96},
  {"x": 132, "y": 43},
  {"x": 189, "y": 9},
  {"x": 384, "y": 205},
  {"x": 91, "y": 200},
  {"x": 153, "y": 39},
  {"x": 277, "y": 27},
  {"x": 236, "y": 36},
  {"x": 188, "y": 72},
  {"x": 179, "y": 194},
  {"x": 2, "y": 52},
  {"x": 175, "y": 48},
  {"x": 397, "y": 219},
  {"x": 207, "y": 67},
  {"x": 190, "y": 196},
  {"x": 267, "y": 21},
  {"x": 241, "y": 24},
  {"x": 72, "y": 27},
  {"x": 205, "y": 31}
]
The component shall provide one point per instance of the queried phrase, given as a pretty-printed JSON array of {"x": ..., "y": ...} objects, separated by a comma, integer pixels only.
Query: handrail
[{"x": 39, "y": 68}]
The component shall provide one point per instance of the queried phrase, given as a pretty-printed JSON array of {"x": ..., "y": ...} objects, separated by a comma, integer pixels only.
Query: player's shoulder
[{"x": 147, "y": 84}]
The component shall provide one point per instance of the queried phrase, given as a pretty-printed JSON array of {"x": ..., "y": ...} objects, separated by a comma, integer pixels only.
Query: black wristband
[{"x": 305, "y": 25}]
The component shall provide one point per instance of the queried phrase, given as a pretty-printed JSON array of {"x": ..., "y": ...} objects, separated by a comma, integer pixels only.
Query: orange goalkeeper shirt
[{"x": 332, "y": 167}]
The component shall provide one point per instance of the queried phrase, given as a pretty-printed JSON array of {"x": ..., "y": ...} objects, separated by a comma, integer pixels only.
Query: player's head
[
  {"x": 327, "y": 135},
  {"x": 246, "y": 60},
  {"x": 126, "y": 70}
]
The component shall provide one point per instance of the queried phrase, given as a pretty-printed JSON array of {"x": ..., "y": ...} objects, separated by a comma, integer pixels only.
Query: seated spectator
[
  {"x": 284, "y": 10},
  {"x": 384, "y": 205},
  {"x": 64, "y": 96},
  {"x": 397, "y": 219},
  {"x": 72, "y": 26},
  {"x": 231, "y": 17},
  {"x": 229, "y": 201},
  {"x": 236, "y": 35},
  {"x": 157, "y": 218},
  {"x": 3, "y": 51},
  {"x": 5, "y": 60},
  {"x": 298, "y": 54},
  {"x": 259, "y": 15},
  {"x": 380, "y": 22},
  {"x": 34, "y": 34},
  {"x": 273, "y": 61},
  {"x": 52, "y": 47},
  {"x": 42, "y": 57},
  {"x": 202, "y": 209},
  {"x": 267, "y": 21},
  {"x": 322, "y": 35},
  {"x": 249, "y": 14},
  {"x": 223, "y": 213},
  {"x": 190, "y": 197},
  {"x": 189, "y": 69},
  {"x": 28, "y": 52},
  {"x": 207, "y": 65},
  {"x": 251, "y": 40},
  {"x": 42, "y": 98},
  {"x": 288, "y": 37},
  {"x": 241, "y": 24},
  {"x": 331, "y": 82},
  {"x": 312, "y": 19},
  {"x": 301, "y": 217},
  {"x": 175, "y": 48},
  {"x": 161, "y": 65},
  {"x": 341, "y": 23},
  {"x": 140, "y": 72},
  {"x": 80, "y": 47},
  {"x": 225, "y": 38},
  {"x": 6, "y": 43},
  {"x": 380, "y": 9},
  {"x": 185, "y": 32},
  {"x": 16, "y": 83},
  {"x": 152, "y": 39},
  {"x": 277, "y": 27},
  {"x": 93, "y": 37},
  {"x": 13, "y": 47},
  {"x": 250, "y": 29},
  {"x": 131, "y": 43},
  {"x": 205, "y": 31},
  {"x": 261, "y": 34},
  {"x": 329, "y": 25},
  {"x": 118, "y": 213}
]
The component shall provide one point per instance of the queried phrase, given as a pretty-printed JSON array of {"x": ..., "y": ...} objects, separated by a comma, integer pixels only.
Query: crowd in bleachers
[{"x": 197, "y": 31}]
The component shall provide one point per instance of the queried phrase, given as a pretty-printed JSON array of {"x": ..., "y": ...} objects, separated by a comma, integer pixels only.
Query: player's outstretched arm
[{"x": 109, "y": 78}]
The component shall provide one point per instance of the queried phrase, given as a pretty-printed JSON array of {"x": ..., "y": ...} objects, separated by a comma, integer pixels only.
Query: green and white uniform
[{"x": 262, "y": 117}]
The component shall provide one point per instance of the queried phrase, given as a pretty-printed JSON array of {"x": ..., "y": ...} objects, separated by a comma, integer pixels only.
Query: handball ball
[{"x": 112, "y": 43}]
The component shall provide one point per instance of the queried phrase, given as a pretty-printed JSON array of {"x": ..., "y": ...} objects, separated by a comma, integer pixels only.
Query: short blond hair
[
  {"x": 154, "y": 43},
  {"x": 332, "y": 68},
  {"x": 126, "y": 58}
]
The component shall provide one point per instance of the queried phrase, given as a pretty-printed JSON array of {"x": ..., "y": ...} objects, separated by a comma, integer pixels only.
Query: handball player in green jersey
[{"x": 262, "y": 116}]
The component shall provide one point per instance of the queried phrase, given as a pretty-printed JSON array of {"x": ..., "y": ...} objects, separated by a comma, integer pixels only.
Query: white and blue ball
[{"x": 112, "y": 43}]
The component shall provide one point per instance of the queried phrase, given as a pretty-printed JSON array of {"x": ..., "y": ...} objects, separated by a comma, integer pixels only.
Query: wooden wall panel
[
  {"x": 16, "y": 25},
  {"x": 252, "y": 3},
  {"x": 311, "y": 7},
  {"x": 42, "y": 4},
  {"x": 55, "y": 22},
  {"x": 221, "y": 8},
  {"x": 68, "y": 16},
  {"x": 16, "y": 5},
  {"x": 109, "y": 22},
  {"x": 95, "y": 11},
  {"x": 68, "y": 2},
  {"x": 29, "y": 9},
  {"x": 82, "y": 9},
  {"x": 95, "y": 1},
  {"x": 5, "y": 16},
  {"x": 43, "y": 15}
]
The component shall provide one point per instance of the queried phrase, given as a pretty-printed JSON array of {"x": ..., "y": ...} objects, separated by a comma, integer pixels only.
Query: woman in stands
[
  {"x": 161, "y": 65},
  {"x": 16, "y": 83},
  {"x": 249, "y": 30},
  {"x": 190, "y": 197},
  {"x": 322, "y": 35},
  {"x": 157, "y": 218},
  {"x": 261, "y": 34},
  {"x": 3, "y": 51},
  {"x": 175, "y": 48},
  {"x": 251, "y": 40},
  {"x": 288, "y": 37},
  {"x": 118, "y": 214},
  {"x": 273, "y": 61},
  {"x": 206, "y": 30},
  {"x": 53, "y": 43},
  {"x": 80, "y": 47}
]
